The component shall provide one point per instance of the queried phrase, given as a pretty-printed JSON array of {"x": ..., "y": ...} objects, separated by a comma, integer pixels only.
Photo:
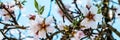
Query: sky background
[{"x": 29, "y": 9}]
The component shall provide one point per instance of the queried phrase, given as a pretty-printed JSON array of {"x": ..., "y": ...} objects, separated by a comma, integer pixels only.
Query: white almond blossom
[
  {"x": 40, "y": 26},
  {"x": 78, "y": 35},
  {"x": 91, "y": 17}
]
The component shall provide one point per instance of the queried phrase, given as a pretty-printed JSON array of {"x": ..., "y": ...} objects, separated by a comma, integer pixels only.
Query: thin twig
[
  {"x": 15, "y": 28},
  {"x": 114, "y": 30}
]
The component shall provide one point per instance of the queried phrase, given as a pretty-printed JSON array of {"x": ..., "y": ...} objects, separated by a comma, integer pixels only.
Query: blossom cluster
[{"x": 83, "y": 19}]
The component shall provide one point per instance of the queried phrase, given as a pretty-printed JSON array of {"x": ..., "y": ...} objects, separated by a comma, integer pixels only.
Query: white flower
[
  {"x": 78, "y": 35},
  {"x": 40, "y": 26},
  {"x": 91, "y": 17}
]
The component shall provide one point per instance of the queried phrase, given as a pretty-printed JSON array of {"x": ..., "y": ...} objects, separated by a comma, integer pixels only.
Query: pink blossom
[{"x": 78, "y": 35}]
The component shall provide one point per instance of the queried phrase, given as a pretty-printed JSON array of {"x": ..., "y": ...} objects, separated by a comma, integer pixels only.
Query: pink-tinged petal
[
  {"x": 94, "y": 9},
  {"x": 89, "y": 4},
  {"x": 98, "y": 17},
  {"x": 61, "y": 25},
  {"x": 33, "y": 27},
  {"x": 11, "y": 9},
  {"x": 42, "y": 34},
  {"x": 36, "y": 37},
  {"x": 89, "y": 24},
  {"x": 40, "y": 27},
  {"x": 50, "y": 29},
  {"x": 49, "y": 20},
  {"x": 92, "y": 25},
  {"x": 6, "y": 18},
  {"x": 78, "y": 35},
  {"x": 84, "y": 11},
  {"x": 84, "y": 22},
  {"x": 39, "y": 19},
  {"x": 2, "y": 12}
]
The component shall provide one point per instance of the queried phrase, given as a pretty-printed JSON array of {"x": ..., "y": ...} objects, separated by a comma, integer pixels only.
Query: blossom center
[
  {"x": 90, "y": 16},
  {"x": 43, "y": 25}
]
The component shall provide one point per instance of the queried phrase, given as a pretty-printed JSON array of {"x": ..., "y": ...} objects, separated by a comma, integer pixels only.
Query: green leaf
[
  {"x": 41, "y": 10},
  {"x": 99, "y": 8},
  {"x": 99, "y": 11},
  {"x": 75, "y": 23},
  {"x": 36, "y": 4}
]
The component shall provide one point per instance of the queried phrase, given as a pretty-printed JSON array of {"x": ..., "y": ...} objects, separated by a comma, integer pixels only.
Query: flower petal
[
  {"x": 42, "y": 34},
  {"x": 61, "y": 26},
  {"x": 6, "y": 18},
  {"x": 49, "y": 20},
  {"x": 50, "y": 29},
  {"x": 92, "y": 24},
  {"x": 84, "y": 11},
  {"x": 39, "y": 19},
  {"x": 98, "y": 17},
  {"x": 84, "y": 22},
  {"x": 93, "y": 9},
  {"x": 89, "y": 24},
  {"x": 33, "y": 27},
  {"x": 79, "y": 34}
]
